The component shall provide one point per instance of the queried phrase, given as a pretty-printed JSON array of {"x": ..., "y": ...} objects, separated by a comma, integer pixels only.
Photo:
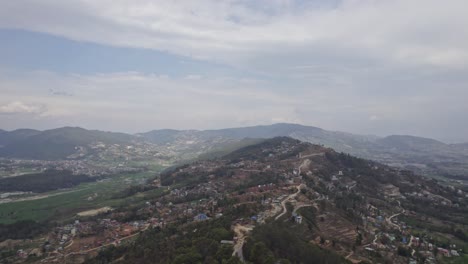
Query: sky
[{"x": 377, "y": 67}]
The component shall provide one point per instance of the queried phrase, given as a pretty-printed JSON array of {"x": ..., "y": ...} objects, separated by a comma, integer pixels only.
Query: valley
[
  {"x": 275, "y": 200},
  {"x": 233, "y": 132}
]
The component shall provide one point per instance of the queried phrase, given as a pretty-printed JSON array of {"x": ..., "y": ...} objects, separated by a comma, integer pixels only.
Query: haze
[{"x": 368, "y": 67}]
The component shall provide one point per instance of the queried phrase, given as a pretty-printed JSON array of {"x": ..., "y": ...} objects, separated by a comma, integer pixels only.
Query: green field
[
  {"x": 463, "y": 259},
  {"x": 61, "y": 205}
]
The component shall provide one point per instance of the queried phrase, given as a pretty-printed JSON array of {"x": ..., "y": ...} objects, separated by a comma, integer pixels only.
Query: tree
[
  {"x": 359, "y": 239},
  {"x": 322, "y": 240},
  {"x": 261, "y": 254},
  {"x": 403, "y": 251}
]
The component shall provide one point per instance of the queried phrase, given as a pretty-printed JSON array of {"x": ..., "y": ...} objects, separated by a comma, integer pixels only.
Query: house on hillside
[{"x": 201, "y": 217}]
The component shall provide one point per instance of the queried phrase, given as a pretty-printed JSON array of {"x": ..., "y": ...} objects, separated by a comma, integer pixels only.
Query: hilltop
[
  {"x": 295, "y": 201},
  {"x": 55, "y": 143},
  {"x": 280, "y": 200},
  {"x": 421, "y": 155}
]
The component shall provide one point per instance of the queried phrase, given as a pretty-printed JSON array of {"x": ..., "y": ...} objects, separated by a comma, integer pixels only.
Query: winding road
[
  {"x": 241, "y": 233},
  {"x": 389, "y": 220},
  {"x": 96, "y": 248},
  {"x": 409, "y": 245},
  {"x": 283, "y": 203}
]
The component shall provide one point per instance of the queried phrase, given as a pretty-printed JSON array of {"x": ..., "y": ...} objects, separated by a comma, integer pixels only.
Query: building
[
  {"x": 200, "y": 217},
  {"x": 297, "y": 218}
]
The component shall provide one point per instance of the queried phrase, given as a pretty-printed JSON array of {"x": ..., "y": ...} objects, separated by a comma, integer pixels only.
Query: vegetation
[
  {"x": 255, "y": 152},
  {"x": 195, "y": 243},
  {"x": 276, "y": 241},
  {"x": 22, "y": 230},
  {"x": 56, "y": 143},
  {"x": 59, "y": 205},
  {"x": 48, "y": 180}
]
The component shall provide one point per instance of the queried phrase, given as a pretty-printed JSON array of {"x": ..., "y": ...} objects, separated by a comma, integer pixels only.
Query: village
[{"x": 275, "y": 189}]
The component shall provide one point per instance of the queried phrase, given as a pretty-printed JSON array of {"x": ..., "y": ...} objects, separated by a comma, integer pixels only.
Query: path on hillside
[
  {"x": 376, "y": 236},
  {"x": 409, "y": 245},
  {"x": 389, "y": 219},
  {"x": 304, "y": 163},
  {"x": 349, "y": 255},
  {"x": 375, "y": 239},
  {"x": 241, "y": 233},
  {"x": 313, "y": 155},
  {"x": 283, "y": 203},
  {"x": 69, "y": 245},
  {"x": 301, "y": 206},
  {"x": 96, "y": 248}
]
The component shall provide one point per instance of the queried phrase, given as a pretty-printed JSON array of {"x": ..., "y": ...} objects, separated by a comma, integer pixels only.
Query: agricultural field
[{"x": 63, "y": 204}]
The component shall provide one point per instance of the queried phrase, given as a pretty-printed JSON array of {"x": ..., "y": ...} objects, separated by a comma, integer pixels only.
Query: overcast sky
[{"x": 370, "y": 67}]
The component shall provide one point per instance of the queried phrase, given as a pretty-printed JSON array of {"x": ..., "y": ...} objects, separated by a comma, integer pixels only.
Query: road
[
  {"x": 373, "y": 241},
  {"x": 301, "y": 206},
  {"x": 389, "y": 221},
  {"x": 69, "y": 245},
  {"x": 375, "y": 238},
  {"x": 409, "y": 245},
  {"x": 283, "y": 203},
  {"x": 313, "y": 155},
  {"x": 305, "y": 163},
  {"x": 96, "y": 248},
  {"x": 36, "y": 197},
  {"x": 241, "y": 233}
]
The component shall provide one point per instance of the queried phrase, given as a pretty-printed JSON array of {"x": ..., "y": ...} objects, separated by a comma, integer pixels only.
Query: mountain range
[{"x": 422, "y": 155}]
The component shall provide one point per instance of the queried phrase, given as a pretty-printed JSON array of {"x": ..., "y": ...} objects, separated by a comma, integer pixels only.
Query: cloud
[
  {"x": 135, "y": 102},
  {"x": 119, "y": 101},
  {"x": 18, "y": 107},
  {"x": 374, "y": 118},
  {"x": 419, "y": 32},
  {"x": 336, "y": 64},
  {"x": 193, "y": 77}
]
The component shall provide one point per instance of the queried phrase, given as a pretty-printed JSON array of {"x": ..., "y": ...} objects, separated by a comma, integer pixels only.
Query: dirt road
[
  {"x": 241, "y": 233},
  {"x": 290, "y": 197}
]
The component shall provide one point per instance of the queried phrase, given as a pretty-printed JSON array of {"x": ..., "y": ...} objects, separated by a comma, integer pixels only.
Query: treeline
[
  {"x": 22, "y": 230},
  {"x": 276, "y": 243},
  {"x": 134, "y": 189},
  {"x": 48, "y": 180},
  {"x": 255, "y": 152},
  {"x": 196, "y": 243}
]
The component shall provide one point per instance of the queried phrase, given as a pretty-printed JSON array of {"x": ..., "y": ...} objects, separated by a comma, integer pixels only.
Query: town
[{"x": 290, "y": 182}]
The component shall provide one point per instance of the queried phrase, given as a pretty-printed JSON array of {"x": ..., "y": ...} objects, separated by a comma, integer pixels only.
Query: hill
[
  {"x": 419, "y": 154},
  {"x": 7, "y": 137},
  {"x": 55, "y": 143},
  {"x": 422, "y": 155},
  {"x": 286, "y": 201}
]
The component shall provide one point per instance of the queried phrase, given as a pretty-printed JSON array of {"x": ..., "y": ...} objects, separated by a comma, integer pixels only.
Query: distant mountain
[
  {"x": 419, "y": 154},
  {"x": 162, "y": 136},
  {"x": 416, "y": 153},
  {"x": 16, "y": 135},
  {"x": 411, "y": 143},
  {"x": 461, "y": 147},
  {"x": 55, "y": 143}
]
